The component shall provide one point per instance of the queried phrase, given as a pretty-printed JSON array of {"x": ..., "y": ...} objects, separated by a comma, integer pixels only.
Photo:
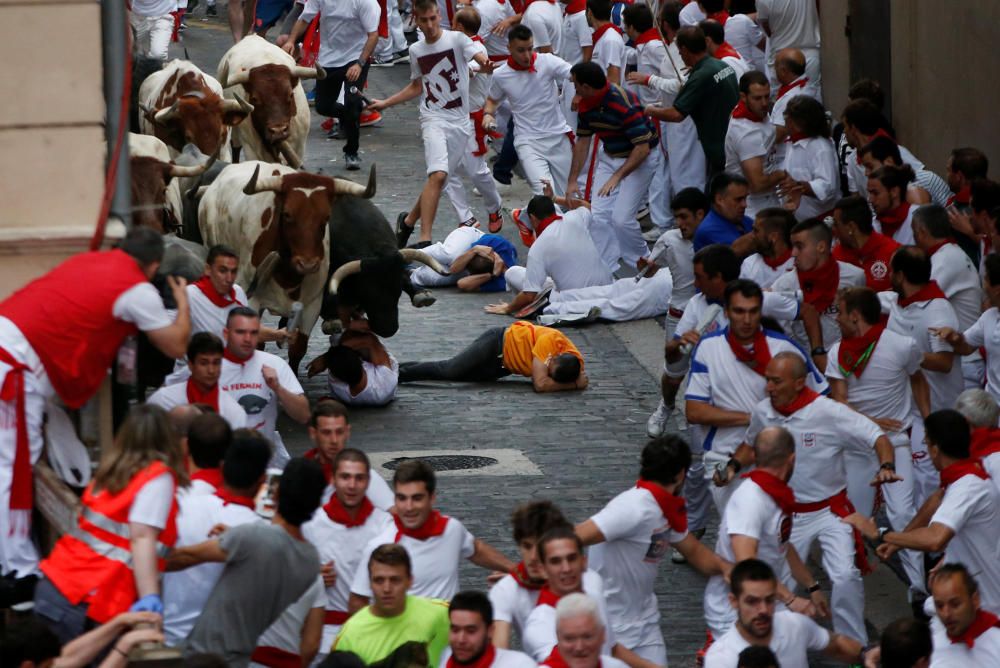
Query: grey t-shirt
[{"x": 266, "y": 571}]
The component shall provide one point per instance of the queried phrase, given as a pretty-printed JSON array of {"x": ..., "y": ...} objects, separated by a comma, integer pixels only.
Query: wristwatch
[
  {"x": 888, "y": 466},
  {"x": 882, "y": 531},
  {"x": 818, "y": 350},
  {"x": 735, "y": 463},
  {"x": 813, "y": 588}
]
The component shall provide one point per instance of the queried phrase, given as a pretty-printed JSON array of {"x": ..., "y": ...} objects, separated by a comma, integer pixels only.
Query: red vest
[
  {"x": 93, "y": 562},
  {"x": 66, "y": 317}
]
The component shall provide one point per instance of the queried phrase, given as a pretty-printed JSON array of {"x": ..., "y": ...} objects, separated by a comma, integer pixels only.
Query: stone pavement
[{"x": 585, "y": 444}]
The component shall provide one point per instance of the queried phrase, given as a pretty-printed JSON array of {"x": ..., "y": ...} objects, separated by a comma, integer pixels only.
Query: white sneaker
[
  {"x": 657, "y": 422},
  {"x": 652, "y": 234}
]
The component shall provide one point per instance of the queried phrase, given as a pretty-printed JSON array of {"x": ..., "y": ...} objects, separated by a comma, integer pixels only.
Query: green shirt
[
  {"x": 708, "y": 97},
  {"x": 374, "y": 638}
]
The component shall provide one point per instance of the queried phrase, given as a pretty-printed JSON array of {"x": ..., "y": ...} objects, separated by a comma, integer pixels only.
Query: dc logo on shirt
[
  {"x": 441, "y": 79},
  {"x": 659, "y": 545},
  {"x": 808, "y": 439},
  {"x": 879, "y": 270}
]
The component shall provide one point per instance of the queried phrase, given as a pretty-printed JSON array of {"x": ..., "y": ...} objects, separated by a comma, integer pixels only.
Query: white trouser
[
  {"x": 686, "y": 157},
  {"x": 926, "y": 479},
  {"x": 836, "y": 540},
  {"x": 900, "y": 509},
  {"x": 545, "y": 158},
  {"x": 660, "y": 190},
  {"x": 973, "y": 371},
  {"x": 152, "y": 34},
  {"x": 615, "y": 231},
  {"x": 446, "y": 145},
  {"x": 620, "y": 301},
  {"x": 477, "y": 171},
  {"x": 330, "y": 633},
  {"x": 862, "y": 467},
  {"x": 697, "y": 495},
  {"x": 396, "y": 40},
  {"x": 515, "y": 279},
  {"x": 645, "y": 638},
  {"x": 425, "y": 277}
]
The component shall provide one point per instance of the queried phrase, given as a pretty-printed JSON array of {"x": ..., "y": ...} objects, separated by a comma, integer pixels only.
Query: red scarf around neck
[
  {"x": 985, "y": 442},
  {"x": 227, "y": 354},
  {"x": 721, "y": 17},
  {"x": 434, "y": 526},
  {"x": 211, "y": 476},
  {"x": 776, "y": 488},
  {"x": 819, "y": 285},
  {"x": 778, "y": 260},
  {"x": 673, "y": 507},
  {"x": 547, "y": 597},
  {"x": 544, "y": 223},
  {"x": 798, "y": 83},
  {"x": 599, "y": 32},
  {"x": 591, "y": 102},
  {"x": 485, "y": 660},
  {"x": 336, "y": 511},
  {"x": 805, "y": 397},
  {"x": 205, "y": 285},
  {"x": 315, "y": 455},
  {"x": 576, "y": 6},
  {"x": 856, "y": 351},
  {"x": 983, "y": 622},
  {"x": 938, "y": 246},
  {"x": 726, "y": 50},
  {"x": 741, "y": 110},
  {"x": 757, "y": 359},
  {"x": 513, "y": 64},
  {"x": 230, "y": 497},
  {"x": 924, "y": 294},
  {"x": 893, "y": 219},
  {"x": 963, "y": 196},
  {"x": 651, "y": 35},
  {"x": 196, "y": 396},
  {"x": 521, "y": 577},
  {"x": 960, "y": 469},
  {"x": 555, "y": 660}
]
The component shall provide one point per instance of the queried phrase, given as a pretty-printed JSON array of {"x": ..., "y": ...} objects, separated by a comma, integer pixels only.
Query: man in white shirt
[
  {"x": 206, "y": 437},
  {"x": 795, "y": 24},
  {"x": 609, "y": 45},
  {"x": 470, "y": 636},
  {"x": 791, "y": 81},
  {"x": 544, "y": 19},
  {"x": 750, "y": 143},
  {"x": 436, "y": 543},
  {"x": 204, "y": 355},
  {"x": 296, "y": 634},
  {"x": 580, "y": 632},
  {"x": 790, "y": 635},
  {"x": 964, "y": 633},
  {"x": 965, "y": 522},
  {"x": 340, "y": 529},
  {"x": 153, "y": 24},
  {"x": 529, "y": 82},
  {"x": 439, "y": 75},
  {"x": 718, "y": 47},
  {"x": 360, "y": 371},
  {"x": 981, "y": 411},
  {"x": 772, "y": 239},
  {"x": 632, "y": 534}
]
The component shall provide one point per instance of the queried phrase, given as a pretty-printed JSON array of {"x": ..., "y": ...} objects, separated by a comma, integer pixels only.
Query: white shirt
[
  {"x": 958, "y": 278},
  {"x": 533, "y": 96},
  {"x": 245, "y": 383},
  {"x": 719, "y": 379},
  {"x": 946, "y": 654},
  {"x": 435, "y": 561},
  {"x": 637, "y": 537},
  {"x": 971, "y": 508},
  {"x": 883, "y": 391},
  {"x": 479, "y": 83},
  {"x": 545, "y": 20},
  {"x": 691, "y": 15},
  {"x": 781, "y": 103},
  {"x": 379, "y": 493},
  {"x": 780, "y": 306},
  {"x": 823, "y": 431},
  {"x": 565, "y": 253},
  {"x": 492, "y": 12},
  {"x": 540, "y": 630},
  {"x": 792, "y": 636},
  {"x": 814, "y": 160},
  {"x": 286, "y": 631},
  {"x": 739, "y": 65},
  {"x": 576, "y": 34},
  {"x": 755, "y": 269},
  {"x": 504, "y": 658},
  {"x": 169, "y": 396},
  {"x": 792, "y": 23},
  {"x": 206, "y": 316},
  {"x": 914, "y": 321},
  {"x": 185, "y": 592},
  {"x": 744, "y": 35},
  {"x": 444, "y": 74},
  {"x": 850, "y": 277},
  {"x": 343, "y": 28},
  {"x": 152, "y": 503},
  {"x": 679, "y": 258},
  {"x": 649, "y": 58},
  {"x": 344, "y": 547},
  {"x": 610, "y": 50},
  {"x": 903, "y": 235},
  {"x": 512, "y": 603},
  {"x": 986, "y": 333},
  {"x": 746, "y": 139},
  {"x": 153, "y": 7},
  {"x": 379, "y": 390}
]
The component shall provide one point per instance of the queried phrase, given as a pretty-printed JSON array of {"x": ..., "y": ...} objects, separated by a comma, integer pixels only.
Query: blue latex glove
[{"x": 148, "y": 603}]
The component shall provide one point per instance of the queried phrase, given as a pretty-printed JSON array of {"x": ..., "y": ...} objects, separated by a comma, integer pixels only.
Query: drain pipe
[{"x": 117, "y": 60}]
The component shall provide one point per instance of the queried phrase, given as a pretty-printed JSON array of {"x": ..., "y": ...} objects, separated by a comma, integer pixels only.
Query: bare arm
[
  {"x": 921, "y": 393},
  {"x": 507, "y": 308},
  {"x": 407, "y": 93},
  {"x": 700, "y": 412},
  {"x": 633, "y": 660},
  {"x": 932, "y": 538},
  {"x": 192, "y": 555},
  {"x": 143, "y": 546},
  {"x": 489, "y": 557},
  {"x": 501, "y": 634},
  {"x": 172, "y": 340},
  {"x": 541, "y": 381},
  {"x": 744, "y": 245},
  {"x": 956, "y": 340},
  {"x": 838, "y": 389},
  {"x": 753, "y": 169},
  {"x": 356, "y": 602},
  {"x": 614, "y": 73},
  {"x": 589, "y": 533},
  {"x": 940, "y": 362},
  {"x": 473, "y": 282},
  {"x": 704, "y": 560},
  {"x": 668, "y": 114},
  {"x": 295, "y": 405},
  {"x": 580, "y": 150},
  {"x": 82, "y": 650},
  {"x": 312, "y": 636},
  {"x": 842, "y": 648}
]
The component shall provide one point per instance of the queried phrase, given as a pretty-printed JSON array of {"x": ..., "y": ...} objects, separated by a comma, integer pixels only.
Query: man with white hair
[
  {"x": 580, "y": 632},
  {"x": 981, "y": 411}
]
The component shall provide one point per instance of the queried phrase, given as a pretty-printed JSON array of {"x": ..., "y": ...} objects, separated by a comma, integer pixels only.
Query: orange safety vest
[{"x": 93, "y": 562}]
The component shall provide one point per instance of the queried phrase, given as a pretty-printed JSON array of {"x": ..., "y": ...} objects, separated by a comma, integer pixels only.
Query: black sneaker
[
  {"x": 403, "y": 231},
  {"x": 353, "y": 161}
]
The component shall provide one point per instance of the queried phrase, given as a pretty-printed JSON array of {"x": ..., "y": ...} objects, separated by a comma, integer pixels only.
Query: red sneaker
[
  {"x": 496, "y": 222},
  {"x": 523, "y": 227},
  {"x": 327, "y": 125},
  {"x": 370, "y": 118}
]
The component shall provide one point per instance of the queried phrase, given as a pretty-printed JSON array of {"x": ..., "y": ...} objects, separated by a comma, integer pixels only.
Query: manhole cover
[{"x": 446, "y": 462}]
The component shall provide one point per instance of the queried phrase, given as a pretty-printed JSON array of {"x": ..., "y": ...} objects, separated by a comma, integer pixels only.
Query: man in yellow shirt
[
  {"x": 394, "y": 618},
  {"x": 545, "y": 355}
]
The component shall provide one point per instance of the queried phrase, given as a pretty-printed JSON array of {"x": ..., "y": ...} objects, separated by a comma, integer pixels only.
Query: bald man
[{"x": 790, "y": 71}]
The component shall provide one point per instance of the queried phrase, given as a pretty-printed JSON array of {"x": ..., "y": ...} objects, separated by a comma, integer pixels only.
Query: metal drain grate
[{"x": 446, "y": 462}]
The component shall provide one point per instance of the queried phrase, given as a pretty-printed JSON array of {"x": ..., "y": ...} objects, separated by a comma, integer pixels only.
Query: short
[
  {"x": 445, "y": 146},
  {"x": 269, "y": 12}
]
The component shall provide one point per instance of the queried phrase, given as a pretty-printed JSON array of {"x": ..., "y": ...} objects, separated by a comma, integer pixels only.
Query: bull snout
[
  {"x": 305, "y": 265},
  {"x": 277, "y": 132}
]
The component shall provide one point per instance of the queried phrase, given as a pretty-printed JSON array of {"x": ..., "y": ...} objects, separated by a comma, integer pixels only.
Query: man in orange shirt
[{"x": 543, "y": 354}]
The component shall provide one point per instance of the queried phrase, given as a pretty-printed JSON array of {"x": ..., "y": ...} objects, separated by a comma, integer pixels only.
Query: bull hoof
[
  {"x": 422, "y": 298},
  {"x": 332, "y": 327}
]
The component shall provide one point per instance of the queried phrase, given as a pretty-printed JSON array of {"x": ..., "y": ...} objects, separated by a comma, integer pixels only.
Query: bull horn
[
  {"x": 264, "y": 272},
  {"x": 308, "y": 72},
  {"x": 238, "y": 79},
  {"x": 194, "y": 170},
  {"x": 414, "y": 255},
  {"x": 258, "y": 184},
  {"x": 343, "y": 271},
  {"x": 237, "y": 103},
  {"x": 346, "y": 187},
  {"x": 164, "y": 116},
  {"x": 291, "y": 157}
]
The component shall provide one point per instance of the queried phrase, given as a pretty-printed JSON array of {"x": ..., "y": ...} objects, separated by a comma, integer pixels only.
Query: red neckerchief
[
  {"x": 757, "y": 360},
  {"x": 726, "y": 50},
  {"x": 476, "y": 38},
  {"x": 878, "y": 133},
  {"x": 774, "y": 487},
  {"x": 856, "y": 351},
  {"x": 205, "y": 285},
  {"x": 196, "y": 396},
  {"x": 924, "y": 294},
  {"x": 938, "y": 246},
  {"x": 721, "y": 17},
  {"x": 893, "y": 219},
  {"x": 226, "y": 354},
  {"x": 819, "y": 285},
  {"x": 336, "y": 511},
  {"x": 547, "y": 597},
  {"x": 776, "y": 262},
  {"x": 229, "y": 497},
  {"x": 960, "y": 469},
  {"x": 797, "y": 136},
  {"x": 514, "y": 66},
  {"x": 983, "y": 622},
  {"x": 528, "y": 3},
  {"x": 211, "y": 476},
  {"x": 485, "y": 660},
  {"x": 651, "y": 35},
  {"x": 599, "y": 32},
  {"x": 434, "y": 526},
  {"x": 521, "y": 577},
  {"x": 576, "y": 6},
  {"x": 315, "y": 455},
  {"x": 22, "y": 481},
  {"x": 672, "y": 507},
  {"x": 805, "y": 397},
  {"x": 985, "y": 442},
  {"x": 741, "y": 110},
  {"x": 555, "y": 660},
  {"x": 542, "y": 224},
  {"x": 963, "y": 196},
  {"x": 798, "y": 83},
  {"x": 591, "y": 102}
]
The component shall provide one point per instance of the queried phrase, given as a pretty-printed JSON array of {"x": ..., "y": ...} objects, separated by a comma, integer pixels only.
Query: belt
[
  {"x": 840, "y": 506},
  {"x": 335, "y": 617},
  {"x": 675, "y": 312}
]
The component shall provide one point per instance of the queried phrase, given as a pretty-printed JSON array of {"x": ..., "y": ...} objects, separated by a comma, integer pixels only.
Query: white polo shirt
[
  {"x": 479, "y": 83},
  {"x": 958, "y": 278},
  {"x": 286, "y": 631},
  {"x": 512, "y": 603},
  {"x": 986, "y": 333},
  {"x": 565, "y": 252},
  {"x": 504, "y": 658},
  {"x": 540, "y": 630},
  {"x": 576, "y": 34},
  {"x": 679, "y": 258},
  {"x": 434, "y": 561},
  {"x": 755, "y": 269},
  {"x": 609, "y": 50},
  {"x": 971, "y": 508},
  {"x": 492, "y": 12},
  {"x": 746, "y": 139},
  {"x": 533, "y": 96},
  {"x": 170, "y": 396},
  {"x": 814, "y": 160},
  {"x": 792, "y": 636},
  {"x": 947, "y": 654},
  {"x": 379, "y": 390},
  {"x": 343, "y": 28},
  {"x": 884, "y": 387},
  {"x": 850, "y": 277},
  {"x": 544, "y": 17},
  {"x": 637, "y": 537},
  {"x": 719, "y": 379},
  {"x": 205, "y": 315},
  {"x": 823, "y": 431}
]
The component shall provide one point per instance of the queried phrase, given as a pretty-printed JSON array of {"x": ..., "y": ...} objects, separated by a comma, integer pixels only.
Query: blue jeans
[{"x": 66, "y": 620}]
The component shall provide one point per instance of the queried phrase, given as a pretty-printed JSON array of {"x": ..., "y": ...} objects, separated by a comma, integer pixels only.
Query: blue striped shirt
[{"x": 618, "y": 121}]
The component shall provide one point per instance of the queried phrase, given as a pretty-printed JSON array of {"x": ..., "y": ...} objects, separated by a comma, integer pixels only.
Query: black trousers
[
  {"x": 482, "y": 360},
  {"x": 349, "y": 113}
]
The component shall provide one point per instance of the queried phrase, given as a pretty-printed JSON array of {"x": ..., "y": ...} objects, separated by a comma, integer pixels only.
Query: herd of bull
[{"x": 301, "y": 237}]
